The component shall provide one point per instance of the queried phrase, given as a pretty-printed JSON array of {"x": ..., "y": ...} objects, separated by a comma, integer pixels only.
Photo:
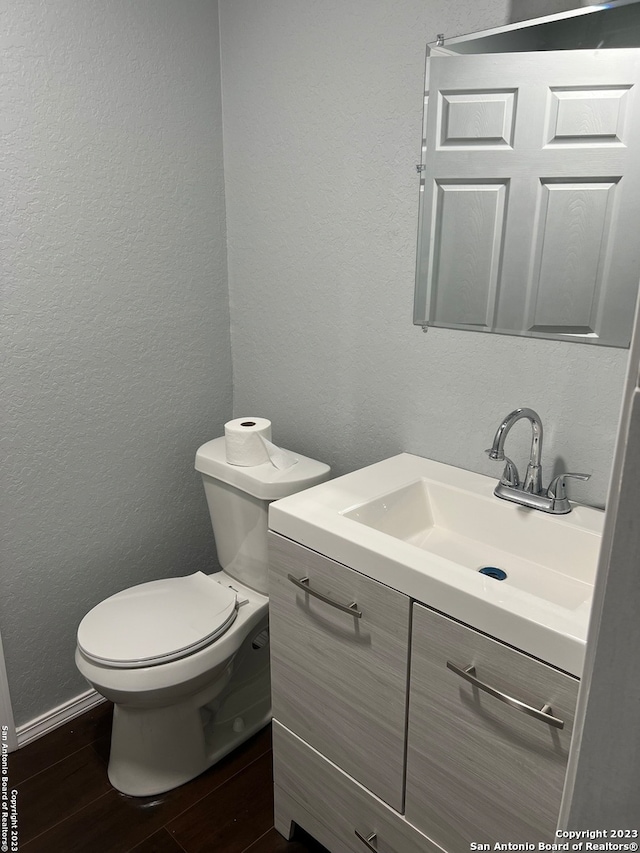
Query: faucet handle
[
  {"x": 558, "y": 493},
  {"x": 557, "y": 487},
  {"x": 510, "y": 476}
]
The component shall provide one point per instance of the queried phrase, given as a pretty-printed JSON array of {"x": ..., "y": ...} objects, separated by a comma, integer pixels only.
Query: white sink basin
[
  {"x": 473, "y": 531},
  {"x": 427, "y": 529}
]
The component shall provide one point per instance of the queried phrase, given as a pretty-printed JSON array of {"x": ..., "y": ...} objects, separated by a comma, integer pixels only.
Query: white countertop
[{"x": 552, "y": 630}]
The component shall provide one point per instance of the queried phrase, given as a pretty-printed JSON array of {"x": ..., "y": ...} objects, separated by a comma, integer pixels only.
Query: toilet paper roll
[{"x": 243, "y": 441}]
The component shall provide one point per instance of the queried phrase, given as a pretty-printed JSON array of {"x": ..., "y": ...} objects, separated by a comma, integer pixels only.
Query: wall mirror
[{"x": 529, "y": 217}]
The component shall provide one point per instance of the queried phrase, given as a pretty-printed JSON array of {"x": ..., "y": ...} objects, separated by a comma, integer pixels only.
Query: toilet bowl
[{"x": 186, "y": 660}]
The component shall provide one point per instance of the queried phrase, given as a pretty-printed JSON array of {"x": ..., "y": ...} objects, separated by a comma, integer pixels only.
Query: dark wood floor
[{"x": 66, "y": 804}]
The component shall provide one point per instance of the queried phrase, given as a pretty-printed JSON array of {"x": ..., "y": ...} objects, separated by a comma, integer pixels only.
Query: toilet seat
[{"x": 157, "y": 622}]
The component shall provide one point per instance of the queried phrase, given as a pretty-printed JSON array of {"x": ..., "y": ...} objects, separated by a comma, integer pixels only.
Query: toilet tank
[{"x": 239, "y": 498}]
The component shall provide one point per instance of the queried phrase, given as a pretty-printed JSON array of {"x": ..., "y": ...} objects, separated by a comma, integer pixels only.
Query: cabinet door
[
  {"x": 338, "y": 681},
  {"x": 479, "y": 769}
]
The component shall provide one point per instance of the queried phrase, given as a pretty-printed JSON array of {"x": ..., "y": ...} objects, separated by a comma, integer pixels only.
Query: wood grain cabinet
[
  {"x": 480, "y": 769},
  {"x": 339, "y": 677},
  {"x": 468, "y": 743},
  {"x": 331, "y": 806}
]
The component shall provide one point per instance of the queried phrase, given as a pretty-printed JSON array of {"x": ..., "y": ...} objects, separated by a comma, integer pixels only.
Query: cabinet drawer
[
  {"x": 288, "y": 811},
  {"x": 329, "y": 805},
  {"x": 478, "y": 769},
  {"x": 338, "y": 681}
]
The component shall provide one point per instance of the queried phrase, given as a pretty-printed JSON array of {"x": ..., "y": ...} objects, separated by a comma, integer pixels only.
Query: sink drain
[{"x": 493, "y": 572}]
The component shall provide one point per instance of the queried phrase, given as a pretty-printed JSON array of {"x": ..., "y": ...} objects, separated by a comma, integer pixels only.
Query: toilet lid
[{"x": 157, "y": 622}]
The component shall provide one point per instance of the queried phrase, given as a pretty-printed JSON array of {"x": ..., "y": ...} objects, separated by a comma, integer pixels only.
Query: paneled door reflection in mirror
[{"x": 530, "y": 195}]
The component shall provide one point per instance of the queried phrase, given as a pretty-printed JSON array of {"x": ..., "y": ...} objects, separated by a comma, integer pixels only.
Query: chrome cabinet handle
[
  {"x": 544, "y": 714},
  {"x": 303, "y": 583},
  {"x": 367, "y": 841}
]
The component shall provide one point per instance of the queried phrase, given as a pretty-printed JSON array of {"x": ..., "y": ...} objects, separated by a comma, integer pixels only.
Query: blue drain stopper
[{"x": 493, "y": 572}]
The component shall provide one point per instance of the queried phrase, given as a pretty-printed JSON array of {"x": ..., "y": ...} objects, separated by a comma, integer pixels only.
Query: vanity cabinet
[
  {"x": 478, "y": 768},
  {"x": 380, "y": 740}
]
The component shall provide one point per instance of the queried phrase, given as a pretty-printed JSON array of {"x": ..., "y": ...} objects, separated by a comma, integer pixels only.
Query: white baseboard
[{"x": 46, "y": 723}]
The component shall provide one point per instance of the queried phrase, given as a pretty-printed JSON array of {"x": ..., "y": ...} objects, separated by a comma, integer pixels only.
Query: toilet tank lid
[{"x": 262, "y": 481}]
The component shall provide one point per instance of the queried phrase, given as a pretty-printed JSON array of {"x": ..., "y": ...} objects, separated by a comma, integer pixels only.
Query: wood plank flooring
[{"x": 66, "y": 804}]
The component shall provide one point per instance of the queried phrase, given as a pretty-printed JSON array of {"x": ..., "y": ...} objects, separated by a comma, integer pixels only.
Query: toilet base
[{"x": 154, "y": 750}]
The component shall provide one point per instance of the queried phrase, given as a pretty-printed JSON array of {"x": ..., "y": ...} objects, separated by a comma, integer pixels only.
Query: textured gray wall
[
  {"x": 116, "y": 313},
  {"x": 322, "y": 124}
]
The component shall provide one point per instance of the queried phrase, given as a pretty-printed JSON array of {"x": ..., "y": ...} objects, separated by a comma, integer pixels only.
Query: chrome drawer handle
[
  {"x": 303, "y": 583},
  {"x": 367, "y": 841},
  {"x": 544, "y": 714}
]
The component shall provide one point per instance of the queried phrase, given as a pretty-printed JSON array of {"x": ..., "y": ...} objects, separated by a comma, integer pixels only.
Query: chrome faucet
[{"x": 529, "y": 492}]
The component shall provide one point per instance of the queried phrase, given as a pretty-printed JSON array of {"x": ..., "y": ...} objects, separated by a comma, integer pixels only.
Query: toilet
[{"x": 185, "y": 660}]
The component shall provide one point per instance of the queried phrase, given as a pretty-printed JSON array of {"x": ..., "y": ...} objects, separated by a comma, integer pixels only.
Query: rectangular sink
[
  {"x": 426, "y": 529},
  {"x": 476, "y": 532}
]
